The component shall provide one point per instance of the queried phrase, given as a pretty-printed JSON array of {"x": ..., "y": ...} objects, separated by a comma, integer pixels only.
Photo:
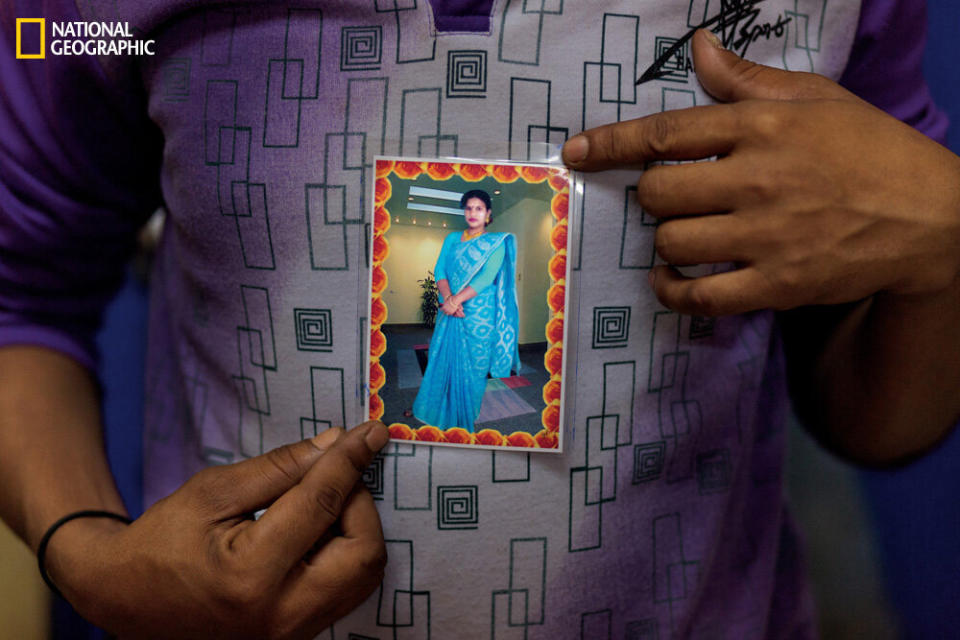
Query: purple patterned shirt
[{"x": 255, "y": 126}]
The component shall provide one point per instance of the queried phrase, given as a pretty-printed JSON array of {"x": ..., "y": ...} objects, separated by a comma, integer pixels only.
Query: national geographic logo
[
  {"x": 43, "y": 34},
  {"x": 78, "y": 38}
]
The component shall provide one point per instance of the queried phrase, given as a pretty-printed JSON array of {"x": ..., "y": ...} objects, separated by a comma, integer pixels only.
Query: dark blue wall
[{"x": 917, "y": 509}]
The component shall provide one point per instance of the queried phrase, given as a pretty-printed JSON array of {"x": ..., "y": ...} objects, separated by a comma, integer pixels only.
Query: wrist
[
  {"x": 942, "y": 295},
  {"x": 74, "y": 560}
]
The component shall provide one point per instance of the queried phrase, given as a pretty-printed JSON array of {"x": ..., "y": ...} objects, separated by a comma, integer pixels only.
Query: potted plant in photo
[{"x": 428, "y": 300}]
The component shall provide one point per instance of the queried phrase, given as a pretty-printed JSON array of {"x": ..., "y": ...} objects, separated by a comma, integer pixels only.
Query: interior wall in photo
[{"x": 414, "y": 250}]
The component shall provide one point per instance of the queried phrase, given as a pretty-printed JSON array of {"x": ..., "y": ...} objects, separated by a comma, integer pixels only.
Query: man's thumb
[{"x": 729, "y": 78}]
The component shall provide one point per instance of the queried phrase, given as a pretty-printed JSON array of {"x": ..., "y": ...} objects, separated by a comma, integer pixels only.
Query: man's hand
[
  {"x": 817, "y": 197},
  {"x": 197, "y": 565}
]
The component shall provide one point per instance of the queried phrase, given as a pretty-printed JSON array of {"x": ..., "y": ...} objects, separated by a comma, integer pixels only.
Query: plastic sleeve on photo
[
  {"x": 488, "y": 273},
  {"x": 79, "y": 174},
  {"x": 886, "y": 64}
]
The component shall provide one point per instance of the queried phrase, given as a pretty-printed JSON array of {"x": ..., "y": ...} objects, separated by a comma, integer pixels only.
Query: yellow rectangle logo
[{"x": 43, "y": 39}]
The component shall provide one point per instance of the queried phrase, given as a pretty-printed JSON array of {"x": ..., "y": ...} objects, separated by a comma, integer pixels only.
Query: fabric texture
[
  {"x": 79, "y": 174},
  {"x": 886, "y": 65},
  {"x": 488, "y": 273},
  {"x": 463, "y": 351},
  {"x": 256, "y": 125}
]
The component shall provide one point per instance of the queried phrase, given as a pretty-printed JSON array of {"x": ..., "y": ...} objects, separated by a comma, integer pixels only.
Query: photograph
[{"x": 467, "y": 301}]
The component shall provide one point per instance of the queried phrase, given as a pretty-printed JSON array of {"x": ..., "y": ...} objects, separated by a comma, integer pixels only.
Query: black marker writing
[{"x": 734, "y": 24}]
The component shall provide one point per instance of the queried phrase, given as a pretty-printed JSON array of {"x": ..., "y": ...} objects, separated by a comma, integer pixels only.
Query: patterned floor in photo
[{"x": 509, "y": 404}]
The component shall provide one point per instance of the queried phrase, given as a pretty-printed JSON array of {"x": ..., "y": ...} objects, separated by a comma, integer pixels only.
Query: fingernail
[
  {"x": 326, "y": 438},
  {"x": 576, "y": 148},
  {"x": 377, "y": 436},
  {"x": 652, "y": 277},
  {"x": 713, "y": 39}
]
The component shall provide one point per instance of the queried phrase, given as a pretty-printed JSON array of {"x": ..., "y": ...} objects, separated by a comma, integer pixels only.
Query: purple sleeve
[
  {"x": 886, "y": 64},
  {"x": 79, "y": 172}
]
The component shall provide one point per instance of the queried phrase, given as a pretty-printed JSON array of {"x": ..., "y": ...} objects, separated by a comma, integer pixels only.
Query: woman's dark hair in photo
[
  {"x": 476, "y": 193},
  {"x": 482, "y": 195}
]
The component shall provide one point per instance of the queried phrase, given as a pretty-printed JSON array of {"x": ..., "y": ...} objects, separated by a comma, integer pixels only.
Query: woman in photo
[{"x": 477, "y": 327}]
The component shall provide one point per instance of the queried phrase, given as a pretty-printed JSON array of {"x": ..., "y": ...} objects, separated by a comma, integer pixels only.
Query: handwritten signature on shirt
[{"x": 735, "y": 24}]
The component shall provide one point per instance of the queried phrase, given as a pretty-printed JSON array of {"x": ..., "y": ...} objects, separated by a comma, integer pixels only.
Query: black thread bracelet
[{"x": 45, "y": 540}]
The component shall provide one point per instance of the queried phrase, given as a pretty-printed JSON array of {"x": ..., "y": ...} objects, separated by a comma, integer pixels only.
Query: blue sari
[{"x": 464, "y": 350}]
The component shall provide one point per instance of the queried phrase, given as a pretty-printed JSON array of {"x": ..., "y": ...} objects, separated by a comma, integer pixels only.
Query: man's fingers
[
  {"x": 349, "y": 566},
  {"x": 292, "y": 525},
  {"x": 704, "y": 240},
  {"x": 729, "y": 78},
  {"x": 719, "y": 294},
  {"x": 699, "y": 187},
  {"x": 239, "y": 489},
  {"x": 360, "y": 544},
  {"x": 697, "y": 132},
  {"x": 685, "y": 134},
  {"x": 314, "y": 596},
  {"x": 360, "y": 518}
]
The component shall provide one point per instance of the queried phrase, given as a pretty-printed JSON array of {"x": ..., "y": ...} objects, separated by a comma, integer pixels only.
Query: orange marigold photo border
[{"x": 559, "y": 180}]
